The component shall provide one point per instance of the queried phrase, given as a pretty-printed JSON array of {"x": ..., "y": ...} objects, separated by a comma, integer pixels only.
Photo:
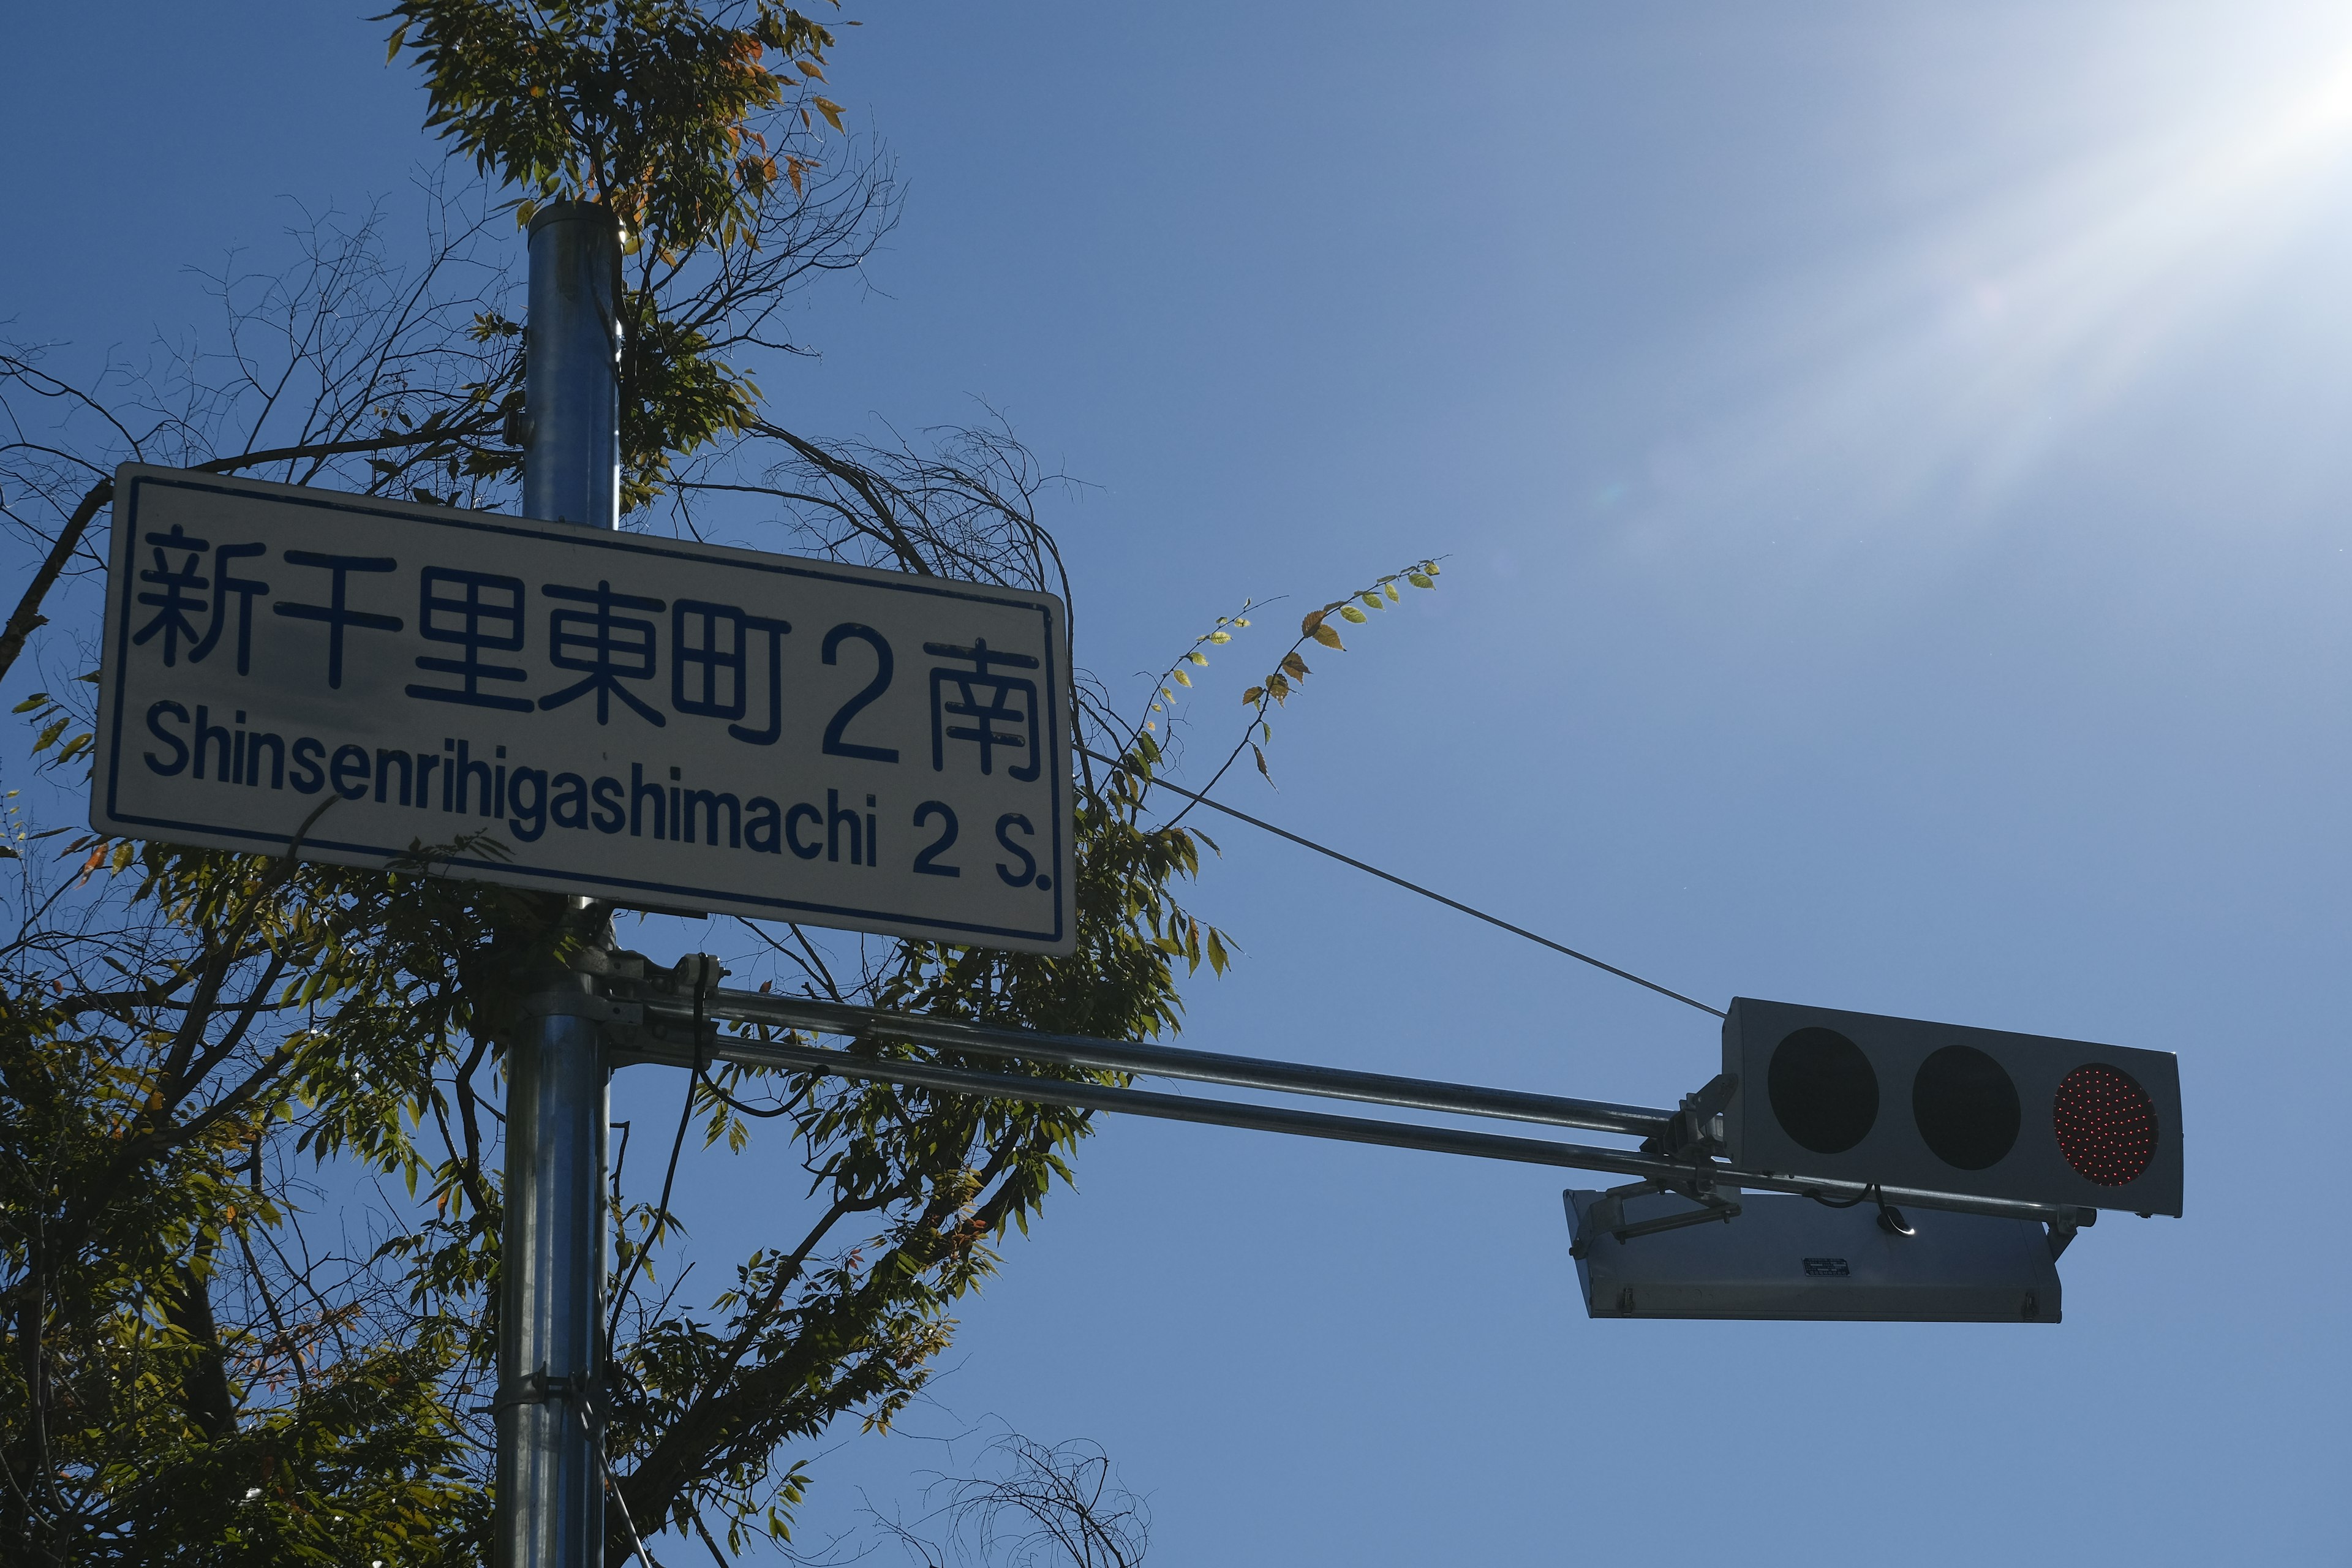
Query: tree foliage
[{"x": 250, "y": 1107}]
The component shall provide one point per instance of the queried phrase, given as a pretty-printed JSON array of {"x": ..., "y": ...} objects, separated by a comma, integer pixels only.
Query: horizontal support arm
[
  {"x": 1167, "y": 1061},
  {"x": 1309, "y": 1123}
]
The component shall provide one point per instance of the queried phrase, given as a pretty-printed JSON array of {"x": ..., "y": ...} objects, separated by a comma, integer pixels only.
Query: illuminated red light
[{"x": 2105, "y": 1124}]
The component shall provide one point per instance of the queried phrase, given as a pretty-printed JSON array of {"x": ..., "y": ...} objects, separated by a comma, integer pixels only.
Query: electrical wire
[
  {"x": 612, "y": 1485},
  {"x": 669, "y": 1174},
  {"x": 765, "y": 1112},
  {"x": 1408, "y": 887}
]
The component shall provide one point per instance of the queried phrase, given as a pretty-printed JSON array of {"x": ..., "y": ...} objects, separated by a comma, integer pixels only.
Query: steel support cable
[
  {"x": 1165, "y": 1061},
  {"x": 1344, "y": 1129},
  {"x": 1302, "y": 843}
]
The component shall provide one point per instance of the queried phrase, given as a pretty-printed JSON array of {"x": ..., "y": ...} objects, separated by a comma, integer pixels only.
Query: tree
[
  {"x": 193, "y": 1044},
  {"x": 1026, "y": 1504}
]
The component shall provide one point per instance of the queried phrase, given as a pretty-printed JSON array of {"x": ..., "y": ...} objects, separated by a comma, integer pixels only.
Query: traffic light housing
[{"x": 1862, "y": 1098}]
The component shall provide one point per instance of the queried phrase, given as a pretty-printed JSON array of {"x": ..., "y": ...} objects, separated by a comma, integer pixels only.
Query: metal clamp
[
  {"x": 1607, "y": 1213},
  {"x": 1696, "y": 1129},
  {"x": 2063, "y": 1231},
  {"x": 593, "y": 1006},
  {"x": 542, "y": 1387},
  {"x": 692, "y": 981}
]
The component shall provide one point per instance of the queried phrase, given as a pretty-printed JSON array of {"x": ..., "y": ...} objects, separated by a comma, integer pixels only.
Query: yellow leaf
[
  {"x": 1390, "y": 589},
  {"x": 1330, "y": 638},
  {"x": 1354, "y": 614},
  {"x": 1182, "y": 679}
]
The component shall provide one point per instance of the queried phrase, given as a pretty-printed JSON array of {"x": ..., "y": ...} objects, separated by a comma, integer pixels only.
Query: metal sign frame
[{"x": 125, "y": 800}]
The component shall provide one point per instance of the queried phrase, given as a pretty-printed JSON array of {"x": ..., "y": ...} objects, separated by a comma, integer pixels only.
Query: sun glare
[{"x": 1958, "y": 354}]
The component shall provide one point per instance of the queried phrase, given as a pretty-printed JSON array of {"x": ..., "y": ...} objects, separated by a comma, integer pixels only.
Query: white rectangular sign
[{"x": 631, "y": 717}]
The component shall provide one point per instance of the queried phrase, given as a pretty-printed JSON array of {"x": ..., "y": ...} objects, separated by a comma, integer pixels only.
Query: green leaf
[
  {"x": 35, "y": 700},
  {"x": 1351, "y": 613},
  {"x": 1419, "y": 580}
]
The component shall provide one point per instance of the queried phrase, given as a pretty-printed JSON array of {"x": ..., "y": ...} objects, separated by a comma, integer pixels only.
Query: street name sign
[{"x": 654, "y": 723}]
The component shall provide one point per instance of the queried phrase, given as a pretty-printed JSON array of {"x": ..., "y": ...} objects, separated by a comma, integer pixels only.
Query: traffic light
[{"x": 1903, "y": 1103}]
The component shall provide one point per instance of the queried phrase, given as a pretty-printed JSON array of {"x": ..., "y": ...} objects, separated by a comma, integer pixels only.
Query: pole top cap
[{"x": 573, "y": 212}]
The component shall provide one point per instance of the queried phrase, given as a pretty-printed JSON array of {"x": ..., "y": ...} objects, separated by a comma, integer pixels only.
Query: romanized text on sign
[{"x": 609, "y": 714}]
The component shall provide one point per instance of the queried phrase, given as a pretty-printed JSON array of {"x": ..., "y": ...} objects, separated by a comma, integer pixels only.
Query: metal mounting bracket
[
  {"x": 1608, "y": 1214},
  {"x": 1696, "y": 1129},
  {"x": 2063, "y": 1231},
  {"x": 623, "y": 982}
]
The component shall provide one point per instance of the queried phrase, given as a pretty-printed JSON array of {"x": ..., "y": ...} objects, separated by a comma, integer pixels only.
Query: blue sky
[{"x": 1889, "y": 465}]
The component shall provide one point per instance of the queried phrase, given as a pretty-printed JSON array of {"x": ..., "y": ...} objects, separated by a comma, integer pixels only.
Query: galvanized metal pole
[{"x": 550, "y": 1494}]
